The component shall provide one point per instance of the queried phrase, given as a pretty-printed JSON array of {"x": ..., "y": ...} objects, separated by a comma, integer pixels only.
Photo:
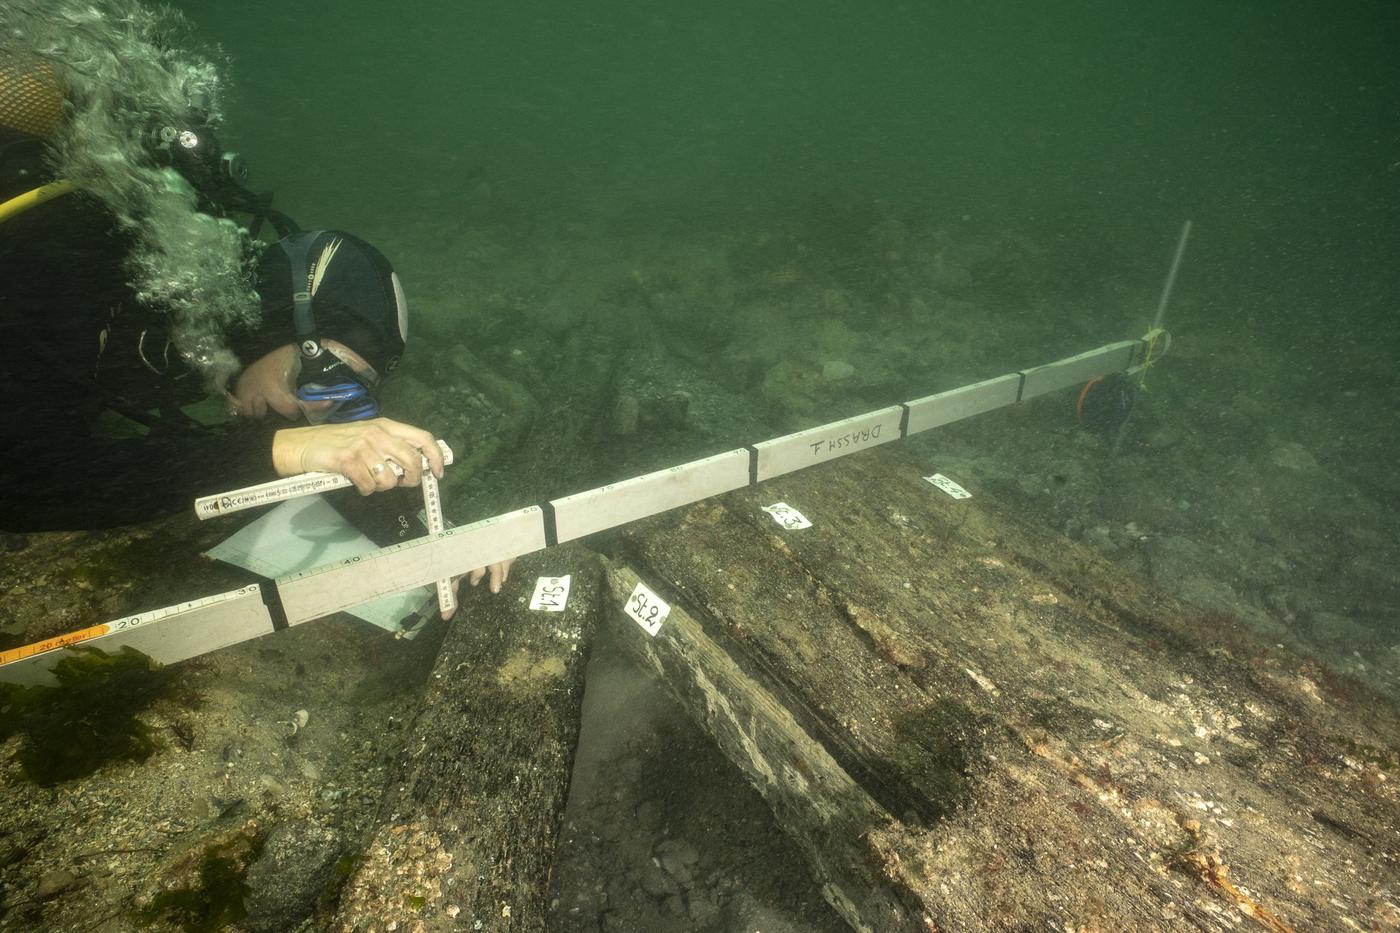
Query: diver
[{"x": 95, "y": 384}]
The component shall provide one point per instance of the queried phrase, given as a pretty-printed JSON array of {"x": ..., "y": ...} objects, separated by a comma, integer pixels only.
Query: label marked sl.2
[{"x": 647, "y": 609}]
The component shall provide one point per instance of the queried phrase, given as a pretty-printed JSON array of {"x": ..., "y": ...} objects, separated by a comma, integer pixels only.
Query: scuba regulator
[{"x": 192, "y": 148}]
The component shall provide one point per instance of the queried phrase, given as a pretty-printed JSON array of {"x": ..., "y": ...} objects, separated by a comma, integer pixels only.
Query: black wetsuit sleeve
[
  {"x": 104, "y": 483},
  {"x": 76, "y": 346}
]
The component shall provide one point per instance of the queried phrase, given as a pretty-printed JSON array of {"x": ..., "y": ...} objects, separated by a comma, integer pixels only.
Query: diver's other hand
[
  {"x": 362, "y": 451},
  {"x": 267, "y": 385},
  {"x": 499, "y": 573}
]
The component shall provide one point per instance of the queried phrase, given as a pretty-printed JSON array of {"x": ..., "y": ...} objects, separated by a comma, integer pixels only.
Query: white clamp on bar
[
  {"x": 304, "y": 484},
  {"x": 288, "y": 487}
]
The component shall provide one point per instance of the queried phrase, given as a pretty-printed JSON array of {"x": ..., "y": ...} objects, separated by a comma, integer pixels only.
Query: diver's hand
[
  {"x": 266, "y": 385},
  {"x": 496, "y": 574},
  {"x": 359, "y": 450}
]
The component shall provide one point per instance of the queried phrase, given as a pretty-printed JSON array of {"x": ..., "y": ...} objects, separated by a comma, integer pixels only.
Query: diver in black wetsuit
[
  {"x": 93, "y": 374},
  {"x": 91, "y": 385}
]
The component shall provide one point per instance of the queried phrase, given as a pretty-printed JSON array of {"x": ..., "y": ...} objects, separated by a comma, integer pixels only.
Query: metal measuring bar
[{"x": 205, "y": 625}]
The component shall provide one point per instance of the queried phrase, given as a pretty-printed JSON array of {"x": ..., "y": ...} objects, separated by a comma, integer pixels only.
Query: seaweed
[
  {"x": 218, "y": 899},
  {"x": 89, "y": 718},
  {"x": 1383, "y": 758}
]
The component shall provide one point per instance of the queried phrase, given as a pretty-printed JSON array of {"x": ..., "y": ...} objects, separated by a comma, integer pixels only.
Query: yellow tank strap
[{"x": 21, "y": 203}]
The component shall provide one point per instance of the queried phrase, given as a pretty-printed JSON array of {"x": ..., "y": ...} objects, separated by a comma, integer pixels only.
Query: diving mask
[{"x": 326, "y": 376}]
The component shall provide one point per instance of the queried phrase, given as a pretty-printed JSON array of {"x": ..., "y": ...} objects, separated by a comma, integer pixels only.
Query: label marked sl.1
[
  {"x": 647, "y": 609},
  {"x": 948, "y": 486},
  {"x": 551, "y": 594},
  {"x": 787, "y": 516}
]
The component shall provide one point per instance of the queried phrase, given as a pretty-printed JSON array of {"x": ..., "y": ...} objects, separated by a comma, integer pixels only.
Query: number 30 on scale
[{"x": 647, "y": 609}]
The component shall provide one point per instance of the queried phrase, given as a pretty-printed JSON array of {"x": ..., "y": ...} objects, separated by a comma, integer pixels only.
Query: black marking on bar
[
  {"x": 753, "y": 464},
  {"x": 1020, "y": 386},
  {"x": 903, "y": 421},
  {"x": 551, "y": 531},
  {"x": 272, "y": 599}
]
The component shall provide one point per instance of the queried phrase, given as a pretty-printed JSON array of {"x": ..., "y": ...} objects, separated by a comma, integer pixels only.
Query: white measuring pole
[
  {"x": 1171, "y": 276},
  {"x": 432, "y": 510},
  {"x": 288, "y": 487}
]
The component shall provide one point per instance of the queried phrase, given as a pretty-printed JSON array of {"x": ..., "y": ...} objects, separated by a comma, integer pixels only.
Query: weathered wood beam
[
  {"x": 1047, "y": 742},
  {"x": 826, "y": 813},
  {"x": 467, "y": 825}
]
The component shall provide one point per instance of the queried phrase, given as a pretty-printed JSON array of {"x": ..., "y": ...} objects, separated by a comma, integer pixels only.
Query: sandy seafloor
[{"x": 1250, "y": 484}]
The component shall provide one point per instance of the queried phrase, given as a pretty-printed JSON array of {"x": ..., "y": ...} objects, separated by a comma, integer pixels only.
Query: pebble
[
  {"x": 836, "y": 370},
  {"x": 272, "y": 785},
  {"x": 55, "y": 882},
  {"x": 678, "y": 858},
  {"x": 657, "y": 883},
  {"x": 702, "y": 909},
  {"x": 679, "y": 849}
]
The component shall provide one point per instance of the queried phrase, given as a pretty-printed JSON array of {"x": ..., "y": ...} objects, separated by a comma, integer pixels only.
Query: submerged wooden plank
[
  {"x": 1059, "y": 745},
  {"x": 813, "y": 796},
  {"x": 468, "y": 821}
]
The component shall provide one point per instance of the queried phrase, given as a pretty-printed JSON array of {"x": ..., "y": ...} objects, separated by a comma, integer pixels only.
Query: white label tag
[
  {"x": 551, "y": 594},
  {"x": 787, "y": 516},
  {"x": 948, "y": 486},
  {"x": 648, "y": 609}
]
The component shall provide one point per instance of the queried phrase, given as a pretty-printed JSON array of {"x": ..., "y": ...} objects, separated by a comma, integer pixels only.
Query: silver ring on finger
[{"x": 378, "y": 468}]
